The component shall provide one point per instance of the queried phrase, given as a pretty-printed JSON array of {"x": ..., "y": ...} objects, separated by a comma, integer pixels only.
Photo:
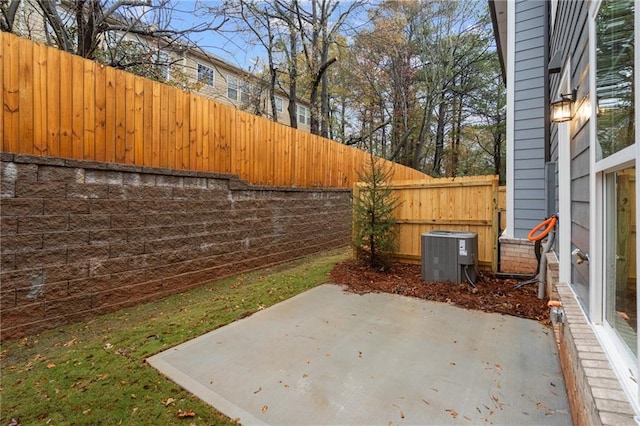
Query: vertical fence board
[
  {"x": 204, "y": 129},
  {"x": 129, "y": 122},
  {"x": 25, "y": 96},
  {"x": 163, "y": 154},
  {"x": 40, "y": 100},
  {"x": 89, "y": 110},
  {"x": 155, "y": 127},
  {"x": 77, "y": 107},
  {"x": 147, "y": 114},
  {"x": 11, "y": 95},
  {"x": 3, "y": 60},
  {"x": 193, "y": 119},
  {"x": 101, "y": 113},
  {"x": 110, "y": 114},
  {"x": 171, "y": 128},
  {"x": 177, "y": 127},
  {"x": 66, "y": 106},
  {"x": 138, "y": 106},
  {"x": 53, "y": 103},
  {"x": 120, "y": 118},
  {"x": 186, "y": 132}
]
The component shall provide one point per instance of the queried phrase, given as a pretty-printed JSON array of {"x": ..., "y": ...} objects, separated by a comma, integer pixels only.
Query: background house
[{"x": 584, "y": 168}]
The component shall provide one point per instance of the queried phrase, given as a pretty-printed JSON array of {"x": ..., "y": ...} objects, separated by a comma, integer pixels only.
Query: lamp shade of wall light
[{"x": 561, "y": 108}]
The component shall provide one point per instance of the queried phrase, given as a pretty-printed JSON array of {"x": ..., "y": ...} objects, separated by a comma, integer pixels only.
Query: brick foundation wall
[
  {"x": 517, "y": 256},
  {"x": 595, "y": 394},
  {"x": 81, "y": 238}
]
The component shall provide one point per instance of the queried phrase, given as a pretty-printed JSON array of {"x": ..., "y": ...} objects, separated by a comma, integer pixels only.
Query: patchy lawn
[{"x": 94, "y": 372}]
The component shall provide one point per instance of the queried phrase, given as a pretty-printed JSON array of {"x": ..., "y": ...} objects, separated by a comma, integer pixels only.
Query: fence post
[
  {"x": 495, "y": 225},
  {"x": 355, "y": 195}
]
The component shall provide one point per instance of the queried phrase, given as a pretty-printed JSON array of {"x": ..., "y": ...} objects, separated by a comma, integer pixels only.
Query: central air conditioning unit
[{"x": 449, "y": 256}]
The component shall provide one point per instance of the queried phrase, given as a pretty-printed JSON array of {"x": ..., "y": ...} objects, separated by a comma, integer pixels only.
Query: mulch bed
[{"x": 491, "y": 294}]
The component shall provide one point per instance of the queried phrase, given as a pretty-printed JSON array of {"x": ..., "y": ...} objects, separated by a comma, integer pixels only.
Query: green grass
[{"x": 95, "y": 372}]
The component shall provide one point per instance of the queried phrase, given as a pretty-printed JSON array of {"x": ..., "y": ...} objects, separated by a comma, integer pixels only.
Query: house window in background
[
  {"x": 303, "y": 115},
  {"x": 232, "y": 87},
  {"x": 205, "y": 75},
  {"x": 279, "y": 104},
  {"x": 162, "y": 65},
  {"x": 245, "y": 93}
]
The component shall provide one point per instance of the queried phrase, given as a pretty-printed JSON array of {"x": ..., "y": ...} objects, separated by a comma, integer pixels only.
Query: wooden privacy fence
[
  {"x": 453, "y": 204},
  {"x": 57, "y": 104}
]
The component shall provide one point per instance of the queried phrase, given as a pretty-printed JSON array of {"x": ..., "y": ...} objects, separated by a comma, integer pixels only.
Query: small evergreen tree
[{"x": 374, "y": 224}]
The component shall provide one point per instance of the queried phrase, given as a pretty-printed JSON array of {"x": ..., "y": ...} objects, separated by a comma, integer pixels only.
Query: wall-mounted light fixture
[{"x": 562, "y": 107}]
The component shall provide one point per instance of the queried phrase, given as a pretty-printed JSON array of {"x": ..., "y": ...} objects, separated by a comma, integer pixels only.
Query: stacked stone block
[{"x": 83, "y": 238}]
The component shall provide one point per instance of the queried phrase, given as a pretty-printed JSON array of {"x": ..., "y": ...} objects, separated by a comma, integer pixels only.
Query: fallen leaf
[
  {"x": 452, "y": 363},
  {"x": 401, "y": 415},
  {"x": 70, "y": 342},
  {"x": 121, "y": 352},
  {"x": 102, "y": 376},
  {"x": 135, "y": 410},
  {"x": 453, "y": 413},
  {"x": 256, "y": 391},
  {"x": 51, "y": 365},
  {"x": 305, "y": 375},
  {"x": 168, "y": 401},
  {"x": 108, "y": 345},
  {"x": 184, "y": 414},
  {"x": 87, "y": 411},
  {"x": 264, "y": 409},
  {"x": 14, "y": 422}
]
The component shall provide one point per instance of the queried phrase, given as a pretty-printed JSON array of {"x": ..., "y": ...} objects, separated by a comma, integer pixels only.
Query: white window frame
[
  {"x": 232, "y": 85},
  {"x": 204, "y": 77},
  {"x": 279, "y": 104},
  {"x": 627, "y": 157},
  {"x": 245, "y": 92},
  {"x": 305, "y": 113}
]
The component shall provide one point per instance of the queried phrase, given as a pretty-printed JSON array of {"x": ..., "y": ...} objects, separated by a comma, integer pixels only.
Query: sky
[{"x": 233, "y": 48}]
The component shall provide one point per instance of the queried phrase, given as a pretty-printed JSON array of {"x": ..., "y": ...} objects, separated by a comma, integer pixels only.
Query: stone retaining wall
[{"x": 81, "y": 238}]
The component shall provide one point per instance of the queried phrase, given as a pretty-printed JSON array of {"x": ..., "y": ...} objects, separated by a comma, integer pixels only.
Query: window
[
  {"x": 232, "y": 87},
  {"x": 614, "y": 77},
  {"x": 162, "y": 65},
  {"x": 621, "y": 297},
  {"x": 303, "y": 115},
  {"x": 206, "y": 75},
  {"x": 279, "y": 104},
  {"x": 245, "y": 93},
  {"x": 614, "y": 211}
]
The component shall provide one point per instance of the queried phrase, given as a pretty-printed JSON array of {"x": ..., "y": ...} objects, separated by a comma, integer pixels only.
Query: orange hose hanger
[{"x": 546, "y": 226}]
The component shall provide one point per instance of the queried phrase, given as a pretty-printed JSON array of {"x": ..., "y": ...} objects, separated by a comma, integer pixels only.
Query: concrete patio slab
[{"x": 331, "y": 357}]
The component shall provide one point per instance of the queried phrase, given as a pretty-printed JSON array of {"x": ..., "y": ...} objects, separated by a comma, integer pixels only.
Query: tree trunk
[{"x": 437, "y": 156}]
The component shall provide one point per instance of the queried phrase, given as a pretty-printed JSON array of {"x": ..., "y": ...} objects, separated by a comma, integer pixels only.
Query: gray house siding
[
  {"x": 570, "y": 36},
  {"x": 529, "y": 116}
]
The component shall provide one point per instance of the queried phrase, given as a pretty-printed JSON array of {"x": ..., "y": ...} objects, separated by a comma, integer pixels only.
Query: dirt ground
[{"x": 491, "y": 294}]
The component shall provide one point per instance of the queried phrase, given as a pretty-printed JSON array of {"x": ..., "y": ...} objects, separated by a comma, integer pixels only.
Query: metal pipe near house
[{"x": 546, "y": 227}]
